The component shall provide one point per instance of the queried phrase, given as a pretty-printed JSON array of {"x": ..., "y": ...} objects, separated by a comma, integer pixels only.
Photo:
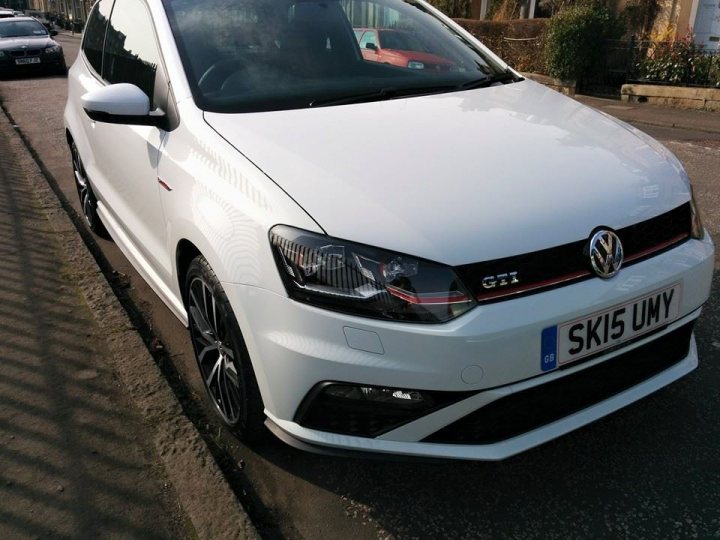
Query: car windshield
[
  {"x": 402, "y": 41},
  {"x": 10, "y": 29},
  {"x": 260, "y": 55}
]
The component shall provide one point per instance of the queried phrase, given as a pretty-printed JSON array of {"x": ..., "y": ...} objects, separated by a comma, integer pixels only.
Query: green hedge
[{"x": 576, "y": 45}]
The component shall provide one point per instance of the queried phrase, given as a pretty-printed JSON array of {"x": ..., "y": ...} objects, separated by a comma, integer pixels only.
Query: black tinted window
[
  {"x": 95, "y": 33},
  {"x": 131, "y": 53}
]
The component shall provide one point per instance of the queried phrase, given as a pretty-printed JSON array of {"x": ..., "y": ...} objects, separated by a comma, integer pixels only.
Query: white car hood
[{"x": 461, "y": 177}]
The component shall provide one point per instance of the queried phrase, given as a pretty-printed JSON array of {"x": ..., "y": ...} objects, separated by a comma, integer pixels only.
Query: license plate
[
  {"x": 605, "y": 329},
  {"x": 22, "y": 61}
]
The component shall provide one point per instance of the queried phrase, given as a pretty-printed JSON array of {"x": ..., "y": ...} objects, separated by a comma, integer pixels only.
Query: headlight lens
[
  {"x": 697, "y": 230},
  {"x": 362, "y": 280},
  {"x": 53, "y": 49}
]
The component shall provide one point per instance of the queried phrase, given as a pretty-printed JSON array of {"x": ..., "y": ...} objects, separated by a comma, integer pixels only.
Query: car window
[
  {"x": 259, "y": 55},
  {"x": 10, "y": 29},
  {"x": 400, "y": 41},
  {"x": 131, "y": 52},
  {"x": 368, "y": 37},
  {"x": 94, "y": 35}
]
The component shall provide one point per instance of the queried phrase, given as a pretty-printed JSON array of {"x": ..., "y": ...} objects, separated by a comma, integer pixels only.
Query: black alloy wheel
[
  {"x": 88, "y": 202},
  {"x": 221, "y": 354}
]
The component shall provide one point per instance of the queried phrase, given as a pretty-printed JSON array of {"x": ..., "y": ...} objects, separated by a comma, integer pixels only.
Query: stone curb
[
  {"x": 703, "y": 99},
  {"x": 203, "y": 492}
]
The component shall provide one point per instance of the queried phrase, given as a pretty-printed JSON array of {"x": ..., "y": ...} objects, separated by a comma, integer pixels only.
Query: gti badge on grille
[
  {"x": 500, "y": 280},
  {"x": 606, "y": 253}
]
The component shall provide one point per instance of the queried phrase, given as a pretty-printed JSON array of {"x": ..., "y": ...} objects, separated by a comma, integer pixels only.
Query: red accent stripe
[
  {"x": 413, "y": 298},
  {"x": 532, "y": 286},
  {"x": 658, "y": 247}
]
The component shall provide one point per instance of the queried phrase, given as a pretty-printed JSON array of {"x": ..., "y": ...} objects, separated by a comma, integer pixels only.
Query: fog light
[
  {"x": 368, "y": 411},
  {"x": 377, "y": 393}
]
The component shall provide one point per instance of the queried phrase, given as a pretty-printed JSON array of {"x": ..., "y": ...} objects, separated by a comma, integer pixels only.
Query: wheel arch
[{"x": 185, "y": 252}]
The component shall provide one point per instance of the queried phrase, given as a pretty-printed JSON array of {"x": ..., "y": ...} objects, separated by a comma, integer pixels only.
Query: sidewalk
[
  {"x": 68, "y": 33},
  {"x": 654, "y": 115},
  {"x": 75, "y": 457}
]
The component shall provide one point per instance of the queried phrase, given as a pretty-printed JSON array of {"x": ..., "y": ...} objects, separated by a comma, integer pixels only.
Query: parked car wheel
[
  {"x": 221, "y": 354},
  {"x": 61, "y": 69},
  {"x": 88, "y": 202}
]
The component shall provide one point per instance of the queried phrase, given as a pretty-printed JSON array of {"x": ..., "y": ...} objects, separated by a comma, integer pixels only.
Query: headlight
[
  {"x": 697, "y": 230},
  {"x": 415, "y": 65},
  {"x": 54, "y": 49},
  {"x": 2, "y": 54},
  {"x": 362, "y": 280}
]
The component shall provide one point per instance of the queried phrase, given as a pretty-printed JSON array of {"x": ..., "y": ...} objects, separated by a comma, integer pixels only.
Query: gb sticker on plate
[{"x": 548, "y": 354}]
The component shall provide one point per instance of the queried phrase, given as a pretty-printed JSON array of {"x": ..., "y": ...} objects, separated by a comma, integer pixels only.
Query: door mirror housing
[
  {"x": 371, "y": 46},
  {"x": 122, "y": 103},
  {"x": 53, "y": 33}
]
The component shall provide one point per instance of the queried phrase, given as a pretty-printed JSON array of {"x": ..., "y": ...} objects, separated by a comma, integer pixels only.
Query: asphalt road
[{"x": 649, "y": 471}]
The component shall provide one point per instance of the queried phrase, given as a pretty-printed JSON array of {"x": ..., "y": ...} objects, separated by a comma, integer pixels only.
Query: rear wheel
[
  {"x": 221, "y": 354},
  {"x": 88, "y": 202}
]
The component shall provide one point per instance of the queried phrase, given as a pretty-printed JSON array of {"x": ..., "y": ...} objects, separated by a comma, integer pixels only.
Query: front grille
[
  {"x": 541, "y": 405},
  {"x": 22, "y": 53},
  {"x": 561, "y": 265}
]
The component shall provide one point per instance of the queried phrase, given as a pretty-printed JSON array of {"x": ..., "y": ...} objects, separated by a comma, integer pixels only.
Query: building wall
[{"x": 707, "y": 24}]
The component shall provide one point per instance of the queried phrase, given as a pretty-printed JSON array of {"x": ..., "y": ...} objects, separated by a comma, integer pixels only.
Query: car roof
[{"x": 15, "y": 19}]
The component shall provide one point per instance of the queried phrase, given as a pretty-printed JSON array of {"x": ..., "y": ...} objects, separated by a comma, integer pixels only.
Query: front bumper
[
  {"x": 8, "y": 64},
  {"x": 492, "y": 351}
]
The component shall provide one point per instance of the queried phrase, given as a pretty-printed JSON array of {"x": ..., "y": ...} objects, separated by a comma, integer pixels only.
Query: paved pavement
[
  {"x": 653, "y": 115},
  {"x": 650, "y": 471},
  {"x": 74, "y": 455}
]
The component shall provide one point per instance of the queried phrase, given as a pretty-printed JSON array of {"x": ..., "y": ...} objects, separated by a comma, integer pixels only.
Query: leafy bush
[
  {"x": 680, "y": 61},
  {"x": 576, "y": 45}
]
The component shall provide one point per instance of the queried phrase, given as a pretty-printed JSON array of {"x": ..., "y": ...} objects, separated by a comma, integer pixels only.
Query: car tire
[
  {"x": 221, "y": 354},
  {"x": 88, "y": 202}
]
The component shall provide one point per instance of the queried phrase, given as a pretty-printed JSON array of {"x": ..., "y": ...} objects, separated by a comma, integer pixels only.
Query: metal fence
[{"x": 677, "y": 63}]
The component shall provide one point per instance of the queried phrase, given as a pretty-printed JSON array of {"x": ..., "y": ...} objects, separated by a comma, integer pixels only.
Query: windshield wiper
[
  {"x": 394, "y": 93},
  {"x": 384, "y": 93},
  {"x": 504, "y": 77}
]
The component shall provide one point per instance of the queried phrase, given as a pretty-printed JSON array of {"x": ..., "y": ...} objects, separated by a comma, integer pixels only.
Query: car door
[
  {"x": 126, "y": 157},
  {"x": 369, "y": 46}
]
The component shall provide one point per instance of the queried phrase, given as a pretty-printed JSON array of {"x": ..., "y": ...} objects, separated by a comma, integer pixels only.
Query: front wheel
[
  {"x": 221, "y": 354},
  {"x": 88, "y": 202}
]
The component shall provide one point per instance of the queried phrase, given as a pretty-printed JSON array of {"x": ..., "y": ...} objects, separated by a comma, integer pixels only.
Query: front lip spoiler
[{"x": 331, "y": 451}]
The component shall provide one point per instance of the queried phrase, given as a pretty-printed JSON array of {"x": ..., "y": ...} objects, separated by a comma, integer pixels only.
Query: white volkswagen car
[{"x": 434, "y": 259}]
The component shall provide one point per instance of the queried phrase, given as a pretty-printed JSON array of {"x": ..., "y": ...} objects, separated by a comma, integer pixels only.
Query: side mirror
[
  {"x": 53, "y": 33},
  {"x": 371, "y": 46},
  {"x": 122, "y": 103}
]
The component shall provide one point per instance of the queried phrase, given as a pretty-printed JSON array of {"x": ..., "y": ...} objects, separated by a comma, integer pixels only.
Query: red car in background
[{"x": 398, "y": 48}]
